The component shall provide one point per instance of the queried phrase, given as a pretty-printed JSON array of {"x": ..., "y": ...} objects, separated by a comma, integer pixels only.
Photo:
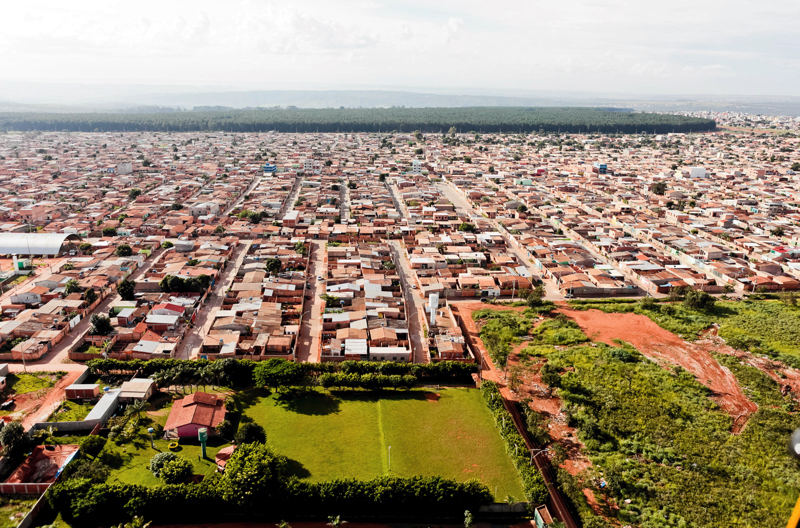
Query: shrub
[
  {"x": 14, "y": 440},
  {"x": 92, "y": 445},
  {"x": 159, "y": 460},
  {"x": 176, "y": 471},
  {"x": 226, "y": 429},
  {"x": 250, "y": 433},
  {"x": 92, "y": 470}
]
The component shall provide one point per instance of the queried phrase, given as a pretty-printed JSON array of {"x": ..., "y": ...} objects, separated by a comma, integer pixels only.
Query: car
[
  {"x": 319, "y": 278},
  {"x": 413, "y": 286},
  {"x": 568, "y": 296}
]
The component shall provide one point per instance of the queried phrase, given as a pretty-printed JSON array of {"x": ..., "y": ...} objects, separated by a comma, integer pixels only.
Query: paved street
[
  {"x": 308, "y": 343},
  {"x": 192, "y": 343},
  {"x": 414, "y": 304}
]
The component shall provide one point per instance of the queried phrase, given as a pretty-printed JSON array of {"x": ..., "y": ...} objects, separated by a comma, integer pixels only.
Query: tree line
[{"x": 430, "y": 120}]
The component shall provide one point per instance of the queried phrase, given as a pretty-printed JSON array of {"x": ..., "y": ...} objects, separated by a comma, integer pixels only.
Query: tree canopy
[{"x": 438, "y": 120}]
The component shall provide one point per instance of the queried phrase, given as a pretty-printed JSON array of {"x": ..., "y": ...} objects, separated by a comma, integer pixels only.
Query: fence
[{"x": 23, "y": 488}]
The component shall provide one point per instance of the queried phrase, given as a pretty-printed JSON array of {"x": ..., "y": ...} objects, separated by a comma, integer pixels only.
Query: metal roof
[{"x": 34, "y": 243}]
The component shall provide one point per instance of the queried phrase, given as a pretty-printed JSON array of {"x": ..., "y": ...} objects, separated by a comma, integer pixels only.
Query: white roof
[{"x": 34, "y": 243}]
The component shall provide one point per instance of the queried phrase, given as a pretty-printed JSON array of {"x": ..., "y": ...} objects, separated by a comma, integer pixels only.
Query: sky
[{"x": 469, "y": 47}]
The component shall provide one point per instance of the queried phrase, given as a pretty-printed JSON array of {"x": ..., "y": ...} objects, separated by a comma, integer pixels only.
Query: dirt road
[{"x": 657, "y": 343}]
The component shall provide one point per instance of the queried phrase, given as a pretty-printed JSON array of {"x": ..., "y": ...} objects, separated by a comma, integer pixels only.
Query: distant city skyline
[{"x": 605, "y": 46}]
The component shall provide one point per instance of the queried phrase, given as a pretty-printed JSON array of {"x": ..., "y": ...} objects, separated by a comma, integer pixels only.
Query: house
[
  {"x": 194, "y": 412},
  {"x": 161, "y": 323}
]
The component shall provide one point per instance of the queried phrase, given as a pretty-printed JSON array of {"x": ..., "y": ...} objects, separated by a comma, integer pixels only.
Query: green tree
[
  {"x": 250, "y": 433},
  {"x": 658, "y": 188},
  {"x": 699, "y": 300},
  {"x": 522, "y": 208},
  {"x": 177, "y": 471},
  {"x": 777, "y": 232},
  {"x": 92, "y": 445},
  {"x": 176, "y": 206},
  {"x": 109, "y": 232},
  {"x": 101, "y": 325},
  {"x": 167, "y": 244},
  {"x": 273, "y": 265},
  {"x": 467, "y": 227},
  {"x": 225, "y": 429},
  {"x": 134, "y": 193},
  {"x": 277, "y": 373},
  {"x": 127, "y": 289},
  {"x": 14, "y": 440},
  {"x": 71, "y": 286},
  {"x": 123, "y": 250},
  {"x": 219, "y": 230},
  {"x": 253, "y": 474},
  {"x": 90, "y": 296},
  {"x": 160, "y": 460}
]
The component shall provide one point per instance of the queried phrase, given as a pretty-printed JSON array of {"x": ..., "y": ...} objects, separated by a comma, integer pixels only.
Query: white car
[{"x": 413, "y": 286}]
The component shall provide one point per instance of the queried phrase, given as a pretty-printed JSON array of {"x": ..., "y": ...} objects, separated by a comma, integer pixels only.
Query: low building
[{"x": 194, "y": 412}]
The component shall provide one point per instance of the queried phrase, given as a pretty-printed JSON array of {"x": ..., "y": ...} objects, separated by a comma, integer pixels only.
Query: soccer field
[{"x": 348, "y": 434}]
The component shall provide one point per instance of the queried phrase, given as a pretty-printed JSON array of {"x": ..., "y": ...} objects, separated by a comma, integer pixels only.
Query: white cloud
[
  {"x": 591, "y": 45},
  {"x": 451, "y": 29}
]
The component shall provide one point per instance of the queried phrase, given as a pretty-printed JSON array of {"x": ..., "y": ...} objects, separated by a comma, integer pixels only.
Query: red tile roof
[{"x": 200, "y": 408}]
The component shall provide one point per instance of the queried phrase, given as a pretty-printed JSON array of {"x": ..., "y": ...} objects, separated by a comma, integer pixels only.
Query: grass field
[
  {"x": 348, "y": 434},
  {"x": 21, "y": 383},
  {"x": 70, "y": 411},
  {"x": 13, "y": 510}
]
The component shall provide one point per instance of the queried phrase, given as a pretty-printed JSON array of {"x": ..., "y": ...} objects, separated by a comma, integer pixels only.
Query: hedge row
[
  {"x": 82, "y": 504},
  {"x": 532, "y": 481},
  {"x": 240, "y": 371},
  {"x": 366, "y": 381}
]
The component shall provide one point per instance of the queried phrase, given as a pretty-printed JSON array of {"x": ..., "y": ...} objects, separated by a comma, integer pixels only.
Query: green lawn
[
  {"x": 348, "y": 434},
  {"x": 135, "y": 454},
  {"x": 21, "y": 383},
  {"x": 70, "y": 411}
]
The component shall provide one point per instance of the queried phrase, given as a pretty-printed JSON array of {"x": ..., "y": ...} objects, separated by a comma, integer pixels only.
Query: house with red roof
[{"x": 194, "y": 412}]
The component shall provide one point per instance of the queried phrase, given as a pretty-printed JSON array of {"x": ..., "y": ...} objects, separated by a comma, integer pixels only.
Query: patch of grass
[
  {"x": 661, "y": 442},
  {"x": 756, "y": 384},
  {"x": 89, "y": 348},
  {"x": 70, "y": 411},
  {"x": 21, "y": 383},
  {"x": 13, "y": 509},
  {"x": 348, "y": 434},
  {"x": 559, "y": 331}
]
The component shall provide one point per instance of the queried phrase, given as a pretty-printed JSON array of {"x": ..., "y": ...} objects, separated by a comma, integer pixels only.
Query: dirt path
[
  {"x": 50, "y": 402},
  {"x": 661, "y": 345}
]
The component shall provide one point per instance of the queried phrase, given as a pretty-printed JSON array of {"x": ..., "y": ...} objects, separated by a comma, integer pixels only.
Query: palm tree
[
  {"x": 335, "y": 522},
  {"x": 284, "y": 524},
  {"x": 136, "y": 408}
]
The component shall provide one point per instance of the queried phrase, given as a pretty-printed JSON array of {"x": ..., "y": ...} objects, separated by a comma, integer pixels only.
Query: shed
[
  {"x": 79, "y": 391},
  {"x": 126, "y": 316},
  {"x": 137, "y": 389},
  {"x": 3, "y": 369}
]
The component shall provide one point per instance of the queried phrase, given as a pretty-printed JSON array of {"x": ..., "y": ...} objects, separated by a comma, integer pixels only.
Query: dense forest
[{"x": 435, "y": 120}]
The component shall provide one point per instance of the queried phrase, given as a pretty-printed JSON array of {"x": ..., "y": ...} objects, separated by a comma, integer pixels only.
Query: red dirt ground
[
  {"x": 531, "y": 387},
  {"x": 661, "y": 345}
]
